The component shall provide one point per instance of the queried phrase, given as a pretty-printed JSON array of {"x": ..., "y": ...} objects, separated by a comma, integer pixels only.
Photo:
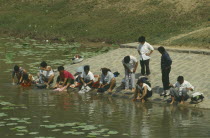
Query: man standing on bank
[
  {"x": 165, "y": 69},
  {"x": 145, "y": 50}
]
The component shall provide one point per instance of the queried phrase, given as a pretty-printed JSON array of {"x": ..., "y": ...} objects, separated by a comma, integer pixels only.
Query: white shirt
[
  {"x": 144, "y": 49},
  {"x": 47, "y": 74},
  {"x": 107, "y": 78},
  {"x": 142, "y": 88},
  {"x": 88, "y": 77},
  {"x": 131, "y": 64},
  {"x": 183, "y": 86}
]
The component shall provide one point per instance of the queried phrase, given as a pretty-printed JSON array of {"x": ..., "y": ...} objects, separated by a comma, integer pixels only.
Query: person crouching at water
[
  {"x": 87, "y": 77},
  {"x": 107, "y": 80},
  {"x": 65, "y": 79},
  {"x": 27, "y": 80},
  {"x": 143, "y": 91},
  {"x": 18, "y": 72},
  {"x": 46, "y": 74},
  {"x": 130, "y": 64},
  {"x": 180, "y": 90}
]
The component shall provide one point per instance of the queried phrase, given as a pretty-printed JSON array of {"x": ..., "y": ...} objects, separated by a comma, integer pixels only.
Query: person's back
[{"x": 67, "y": 74}]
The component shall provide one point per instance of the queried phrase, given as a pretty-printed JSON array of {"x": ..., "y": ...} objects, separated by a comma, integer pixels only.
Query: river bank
[{"x": 192, "y": 64}]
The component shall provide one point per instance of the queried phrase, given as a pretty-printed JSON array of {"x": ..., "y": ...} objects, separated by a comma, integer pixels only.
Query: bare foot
[
  {"x": 171, "y": 102},
  {"x": 127, "y": 90},
  {"x": 109, "y": 90},
  {"x": 138, "y": 98},
  {"x": 133, "y": 90},
  {"x": 143, "y": 101},
  {"x": 182, "y": 102}
]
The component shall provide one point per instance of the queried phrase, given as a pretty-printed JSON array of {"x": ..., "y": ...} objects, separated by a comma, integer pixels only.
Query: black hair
[
  {"x": 127, "y": 59},
  {"x": 161, "y": 49},
  {"x": 139, "y": 81},
  {"x": 142, "y": 39},
  {"x": 43, "y": 64},
  {"x": 105, "y": 70},
  {"x": 180, "y": 78},
  {"x": 60, "y": 68},
  {"x": 86, "y": 68},
  {"x": 16, "y": 68}
]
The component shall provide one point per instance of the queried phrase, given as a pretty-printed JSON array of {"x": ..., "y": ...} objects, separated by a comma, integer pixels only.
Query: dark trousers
[
  {"x": 165, "y": 78},
  {"x": 69, "y": 80},
  {"x": 145, "y": 64}
]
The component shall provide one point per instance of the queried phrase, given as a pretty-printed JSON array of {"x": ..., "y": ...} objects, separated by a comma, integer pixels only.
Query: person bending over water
[
  {"x": 180, "y": 90},
  {"x": 143, "y": 91},
  {"x": 18, "y": 72},
  {"x": 87, "y": 77},
  {"x": 130, "y": 64},
  {"x": 46, "y": 74},
  {"x": 27, "y": 80},
  {"x": 107, "y": 80},
  {"x": 65, "y": 79}
]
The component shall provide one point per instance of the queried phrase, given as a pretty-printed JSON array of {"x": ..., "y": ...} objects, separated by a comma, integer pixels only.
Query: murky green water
[{"x": 30, "y": 112}]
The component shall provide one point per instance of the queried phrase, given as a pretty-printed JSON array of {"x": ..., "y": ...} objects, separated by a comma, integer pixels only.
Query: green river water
[{"x": 32, "y": 112}]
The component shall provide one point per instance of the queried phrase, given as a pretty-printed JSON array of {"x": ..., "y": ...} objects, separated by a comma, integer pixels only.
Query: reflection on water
[
  {"x": 130, "y": 119},
  {"x": 122, "y": 115}
]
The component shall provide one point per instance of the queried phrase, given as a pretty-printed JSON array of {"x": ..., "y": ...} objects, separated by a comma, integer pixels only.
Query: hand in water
[{"x": 13, "y": 83}]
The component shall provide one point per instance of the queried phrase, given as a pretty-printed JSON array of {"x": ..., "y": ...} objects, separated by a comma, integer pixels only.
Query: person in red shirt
[{"x": 65, "y": 79}]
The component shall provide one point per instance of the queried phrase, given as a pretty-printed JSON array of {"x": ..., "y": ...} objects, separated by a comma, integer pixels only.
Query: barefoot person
[
  {"x": 65, "y": 77},
  {"x": 18, "y": 72},
  {"x": 180, "y": 90},
  {"x": 87, "y": 77},
  {"x": 145, "y": 50},
  {"x": 130, "y": 64},
  {"x": 107, "y": 80},
  {"x": 143, "y": 91},
  {"x": 165, "y": 69},
  {"x": 46, "y": 74}
]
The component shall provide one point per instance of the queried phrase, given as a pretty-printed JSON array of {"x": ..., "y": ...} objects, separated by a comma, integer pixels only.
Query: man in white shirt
[
  {"x": 180, "y": 90},
  {"x": 87, "y": 77},
  {"x": 145, "y": 50},
  {"x": 130, "y": 64},
  {"x": 107, "y": 80}
]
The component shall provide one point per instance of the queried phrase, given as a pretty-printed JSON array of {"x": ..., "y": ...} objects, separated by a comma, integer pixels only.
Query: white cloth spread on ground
[
  {"x": 144, "y": 49},
  {"x": 142, "y": 88},
  {"x": 85, "y": 89},
  {"x": 131, "y": 64},
  {"x": 183, "y": 86},
  {"x": 88, "y": 77},
  {"x": 106, "y": 79}
]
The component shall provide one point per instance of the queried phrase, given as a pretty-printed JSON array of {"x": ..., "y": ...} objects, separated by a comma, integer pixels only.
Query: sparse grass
[
  {"x": 78, "y": 21},
  {"x": 201, "y": 39}
]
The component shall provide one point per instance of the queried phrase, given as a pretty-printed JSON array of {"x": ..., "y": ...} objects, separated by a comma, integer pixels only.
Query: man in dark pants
[
  {"x": 165, "y": 69},
  {"x": 145, "y": 50}
]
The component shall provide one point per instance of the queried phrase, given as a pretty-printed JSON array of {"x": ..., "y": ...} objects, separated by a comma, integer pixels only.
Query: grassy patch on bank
[
  {"x": 200, "y": 39},
  {"x": 110, "y": 21}
]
